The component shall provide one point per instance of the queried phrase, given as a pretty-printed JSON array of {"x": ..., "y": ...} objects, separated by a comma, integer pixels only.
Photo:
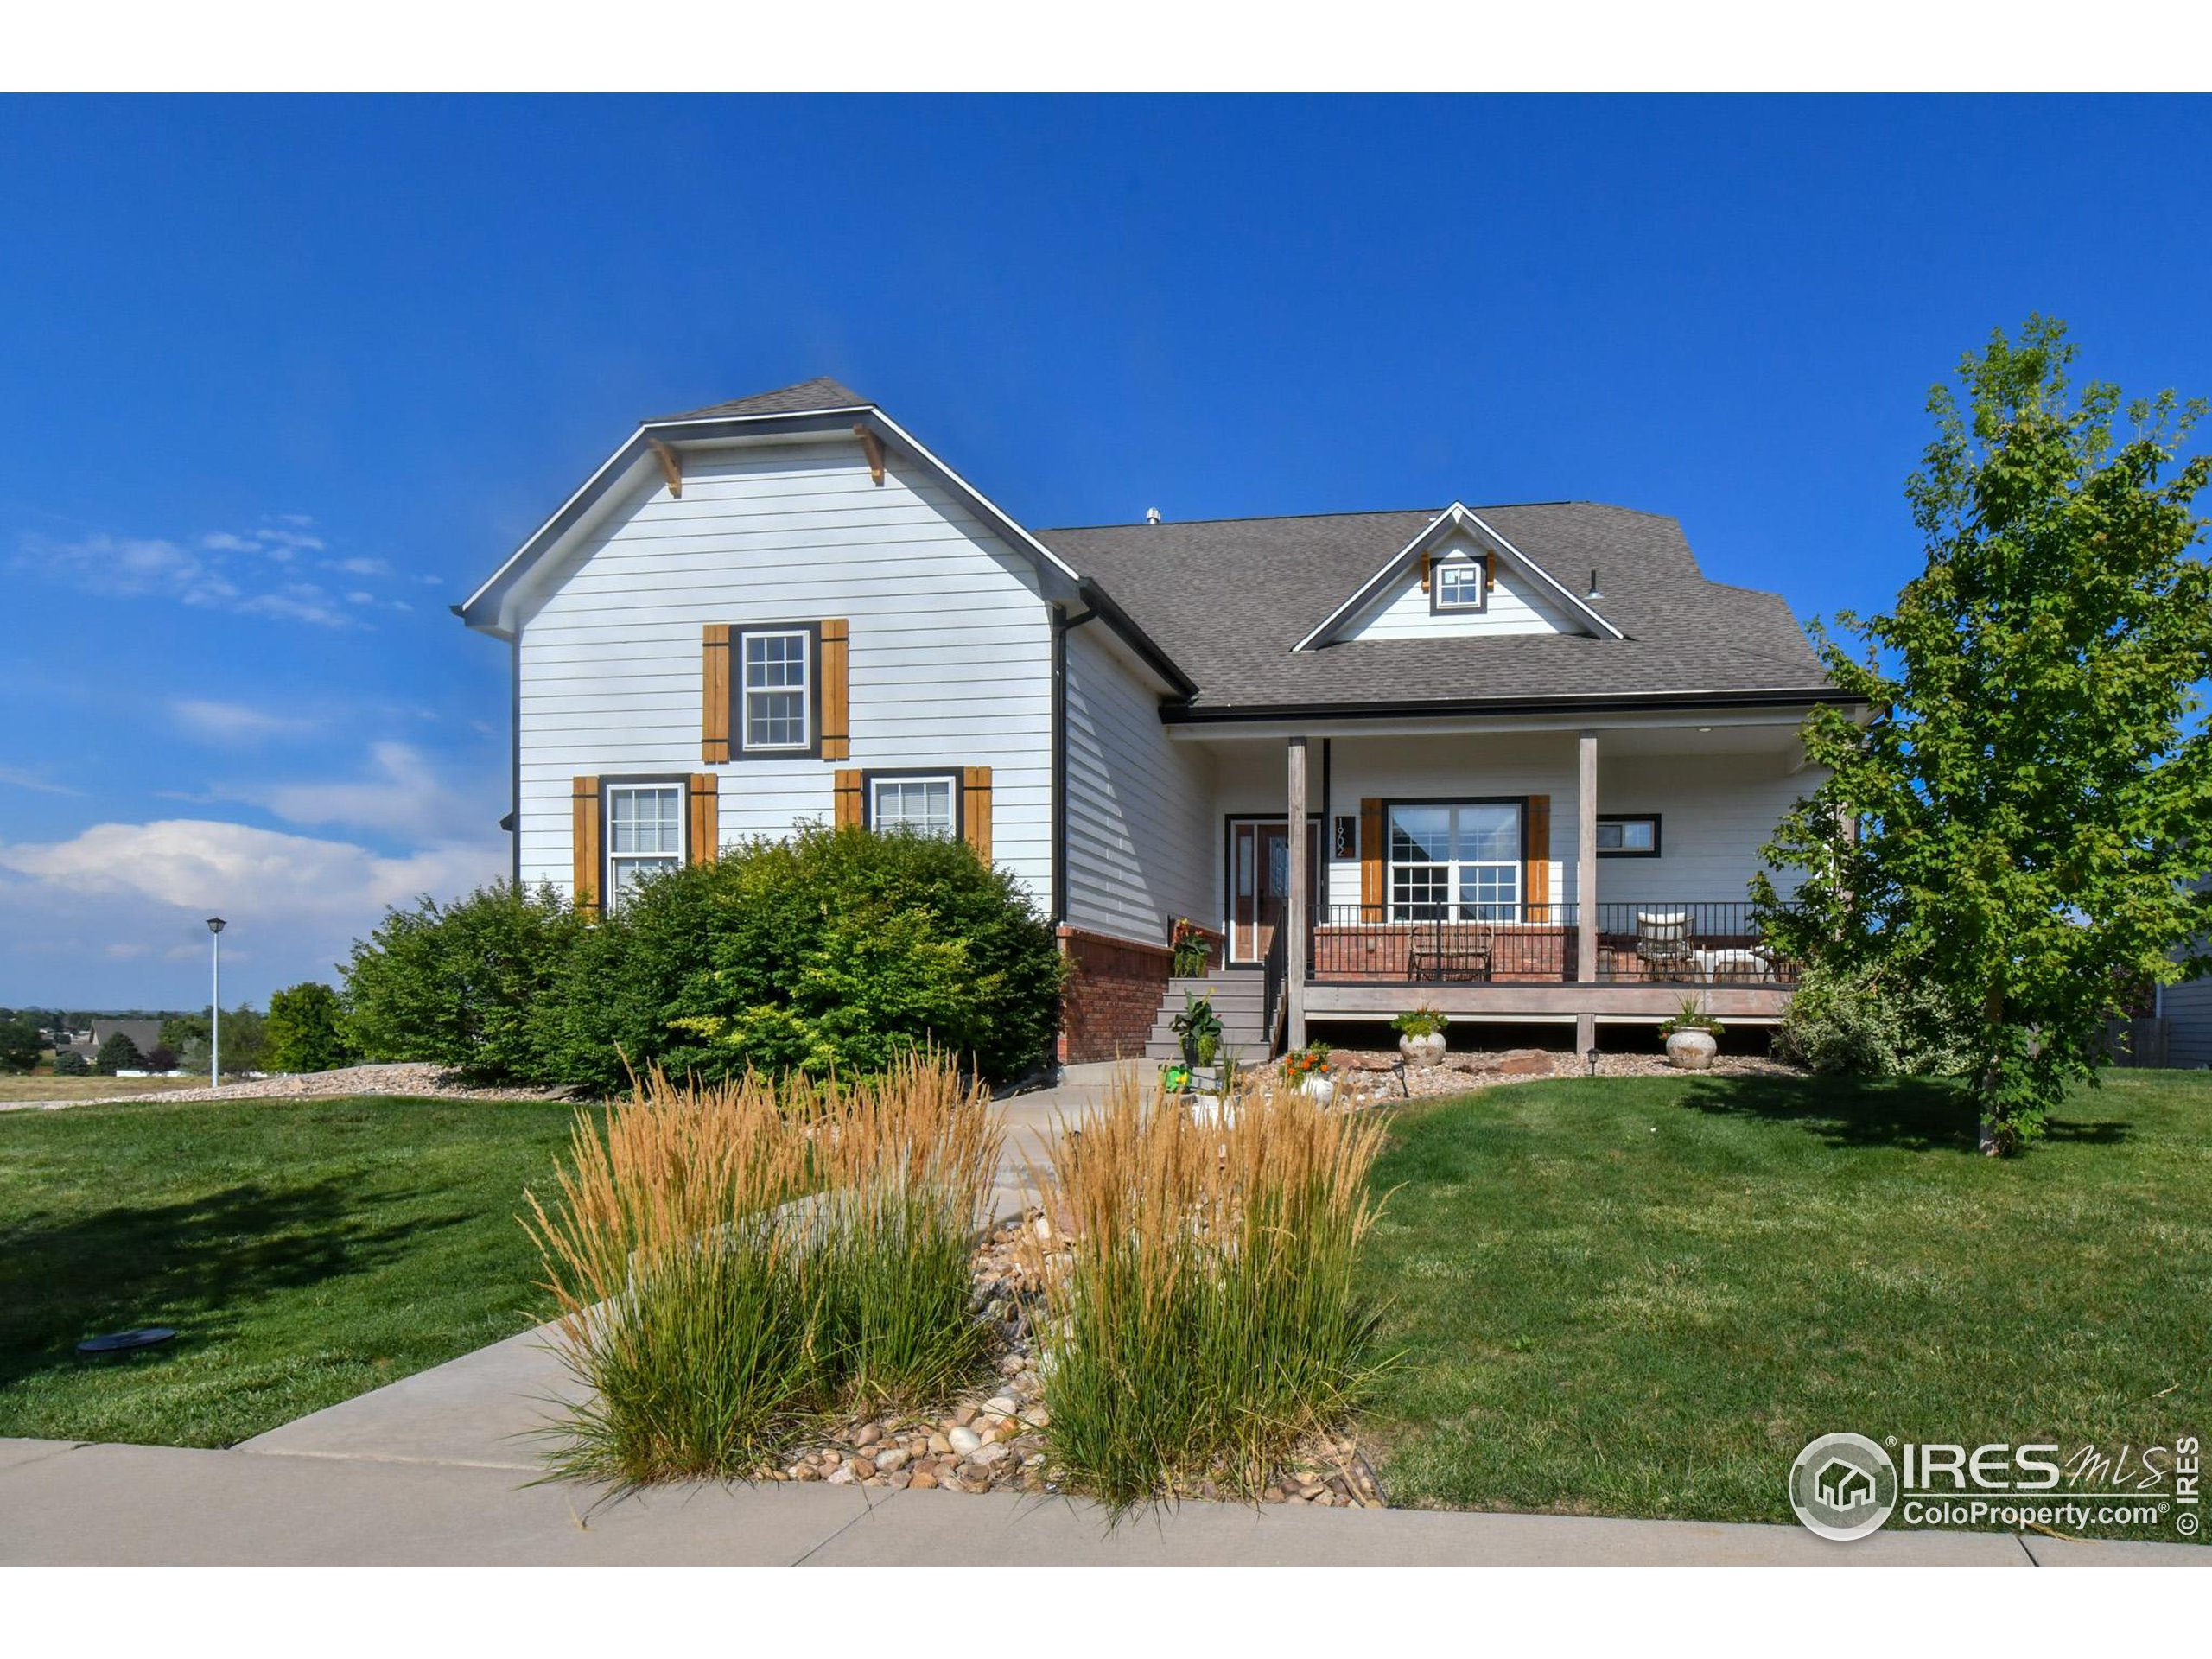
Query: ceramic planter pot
[
  {"x": 1423, "y": 1050},
  {"x": 1319, "y": 1091},
  {"x": 1691, "y": 1049}
]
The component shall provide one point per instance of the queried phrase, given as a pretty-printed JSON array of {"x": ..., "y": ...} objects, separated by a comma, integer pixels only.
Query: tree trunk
[{"x": 1992, "y": 1010}]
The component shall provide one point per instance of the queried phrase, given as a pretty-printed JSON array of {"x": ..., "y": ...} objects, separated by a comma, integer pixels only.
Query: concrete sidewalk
[{"x": 130, "y": 1505}]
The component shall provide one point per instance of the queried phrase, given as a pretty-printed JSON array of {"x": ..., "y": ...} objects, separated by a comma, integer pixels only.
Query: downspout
[
  {"x": 1063, "y": 626},
  {"x": 514, "y": 756}
]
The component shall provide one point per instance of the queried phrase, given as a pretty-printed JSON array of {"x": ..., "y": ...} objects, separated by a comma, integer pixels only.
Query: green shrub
[
  {"x": 306, "y": 1029},
  {"x": 460, "y": 984},
  {"x": 1864, "y": 1022},
  {"x": 117, "y": 1054},
  {"x": 70, "y": 1064},
  {"x": 21, "y": 1045},
  {"x": 835, "y": 951}
]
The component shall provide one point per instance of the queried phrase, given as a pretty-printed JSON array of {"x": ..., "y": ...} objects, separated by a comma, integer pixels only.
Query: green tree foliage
[
  {"x": 245, "y": 1040},
  {"x": 21, "y": 1043},
  {"x": 180, "y": 1031},
  {"x": 457, "y": 984},
  {"x": 834, "y": 950},
  {"x": 306, "y": 1029},
  {"x": 117, "y": 1054},
  {"x": 2016, "y": 826},
  {"x": 70, "y": 1064}
]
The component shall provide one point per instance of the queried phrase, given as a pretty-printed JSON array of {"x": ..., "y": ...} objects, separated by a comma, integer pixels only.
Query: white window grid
[
  {"x": 644, "y": 833},
  {"x": 929, "y": 805},
  {"x": 777, "y": 707},
  {"x": 1455, "y": 860}
]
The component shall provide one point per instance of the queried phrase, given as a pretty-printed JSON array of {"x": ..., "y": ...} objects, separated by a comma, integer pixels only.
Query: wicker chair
[
  {"x": 1662, "y": 944},
  {"x": 1444, "y": 950}
]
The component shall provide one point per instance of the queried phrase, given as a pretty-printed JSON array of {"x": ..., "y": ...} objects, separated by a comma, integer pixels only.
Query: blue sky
[{"x": 284, "y": 379}]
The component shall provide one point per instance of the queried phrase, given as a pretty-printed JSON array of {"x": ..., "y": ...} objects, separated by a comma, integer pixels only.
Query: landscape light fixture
[
  {"x": 1591, "y": 1055},
  {"x": 215, "y": 1008}
]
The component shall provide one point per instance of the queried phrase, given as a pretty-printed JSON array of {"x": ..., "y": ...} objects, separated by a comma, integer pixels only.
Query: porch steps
[{"x": 1237, "y": 1001}]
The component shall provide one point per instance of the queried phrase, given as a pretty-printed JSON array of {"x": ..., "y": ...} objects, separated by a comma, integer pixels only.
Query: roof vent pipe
[
  {"x": 1594, "y": 593},
  {"x": 1152, "y": 514}
]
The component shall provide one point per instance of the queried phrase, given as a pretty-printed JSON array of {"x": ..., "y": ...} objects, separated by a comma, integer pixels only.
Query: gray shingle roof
[
  {"x": 1227, "y": 599},
  {"x": 821, "y": 393}
]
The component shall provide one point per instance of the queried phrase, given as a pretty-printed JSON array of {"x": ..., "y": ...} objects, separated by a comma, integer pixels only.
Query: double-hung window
[
  {"x": 1455, "y": 860},
  {"x": 927, "y": 805},
  {"x": 777, "y": 711},
  {"x": 644, "y": 833}
]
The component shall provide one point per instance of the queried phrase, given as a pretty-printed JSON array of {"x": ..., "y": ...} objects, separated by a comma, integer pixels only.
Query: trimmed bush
[
  {"x": 834, "y": 952},
  {"x": 70, "y": 1064},
  {"x": 460, "y": 984},
  {"x": 306, "y": 1028},
  {"x": 1864, "y": 1022},
  {"x": 117, "y": 1054}
]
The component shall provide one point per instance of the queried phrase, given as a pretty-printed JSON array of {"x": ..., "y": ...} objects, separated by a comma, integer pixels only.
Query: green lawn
[
  {"x": 304, "y": 1251},
  {"x": 1644, "y": 1296}
]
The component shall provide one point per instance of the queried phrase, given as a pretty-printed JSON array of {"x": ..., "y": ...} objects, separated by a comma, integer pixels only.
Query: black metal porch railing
[{"x": 1689, "y": 942}]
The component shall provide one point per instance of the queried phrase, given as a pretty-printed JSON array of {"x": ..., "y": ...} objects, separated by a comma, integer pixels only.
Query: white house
[{"x": 1512, "y": 761}]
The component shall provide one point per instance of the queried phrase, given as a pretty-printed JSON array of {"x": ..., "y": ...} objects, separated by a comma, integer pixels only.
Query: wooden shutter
[
  {"x": 847, "y": 799},
  {"x": 584, "y": 842},
  {"x": 1424, "y": 564},
  {"x": 702, "y": 827},
  {"x": 1373, "y": 854},
  {"x": 975, "y": 809},
  {"x": 1537, "y": 850},
  {"x": 714, "y": 695},
  {"x": 836, "y": 690}
]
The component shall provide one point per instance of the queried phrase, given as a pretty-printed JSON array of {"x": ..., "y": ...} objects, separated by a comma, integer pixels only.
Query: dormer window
[{"x": 1461, "y": 583}]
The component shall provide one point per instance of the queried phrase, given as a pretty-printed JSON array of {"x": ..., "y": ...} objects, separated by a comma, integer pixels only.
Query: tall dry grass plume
[
  {"x": 1202, "y": 1313},
  {"x": 732, "y": 1263}
]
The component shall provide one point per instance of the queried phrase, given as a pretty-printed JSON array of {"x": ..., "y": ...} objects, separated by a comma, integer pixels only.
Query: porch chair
[
  {"x": 1442, "y": 951},
  {"x": 1662, "y": 944}
]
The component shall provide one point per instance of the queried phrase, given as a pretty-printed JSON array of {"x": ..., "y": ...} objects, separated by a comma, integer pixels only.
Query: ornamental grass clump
[
  {"x": 1201, "y": 1316},
  {"x": 734, "y": 1263}
]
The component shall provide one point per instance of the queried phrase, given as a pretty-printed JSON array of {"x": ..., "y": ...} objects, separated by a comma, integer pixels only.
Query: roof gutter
[
  {"x": 1640, "y": 702},
  {"x": 1137, "y": 640}
]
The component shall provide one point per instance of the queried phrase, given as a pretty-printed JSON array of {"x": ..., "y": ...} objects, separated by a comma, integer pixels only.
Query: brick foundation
[{"x": 1112, "y": 997}]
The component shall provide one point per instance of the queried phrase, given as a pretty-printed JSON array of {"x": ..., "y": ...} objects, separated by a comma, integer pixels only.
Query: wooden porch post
[
  {"x": 1296, "y": 907},
  {"x": 1586, "y": 884}
]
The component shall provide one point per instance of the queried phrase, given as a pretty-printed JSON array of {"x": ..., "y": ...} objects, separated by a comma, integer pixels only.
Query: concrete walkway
[{"x": 435, "y": 1469}]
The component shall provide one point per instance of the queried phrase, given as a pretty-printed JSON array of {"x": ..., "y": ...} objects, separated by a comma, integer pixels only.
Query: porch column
[
  {"x": 1586, "y": 884},
  {"x": 1295, "y": 903}
]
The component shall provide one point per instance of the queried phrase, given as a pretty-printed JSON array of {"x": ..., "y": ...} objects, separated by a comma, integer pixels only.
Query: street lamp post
[{"x": 215, "y": 1009}]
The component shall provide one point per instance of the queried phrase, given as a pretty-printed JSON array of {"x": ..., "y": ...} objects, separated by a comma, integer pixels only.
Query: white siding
[
  {"x": 950, "y": 645},
  {"x": 1518, "y": 604},
  {"x": 1138, "y": 806},
  {"x": 1716, "y": 809}
]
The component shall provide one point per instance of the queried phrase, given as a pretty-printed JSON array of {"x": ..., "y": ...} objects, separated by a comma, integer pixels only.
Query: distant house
[
  {"x": 2184, "y": 1013},
  {"x": 145, "y": 1036}
]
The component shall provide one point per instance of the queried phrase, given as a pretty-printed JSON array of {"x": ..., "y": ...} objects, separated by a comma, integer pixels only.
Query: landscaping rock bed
[
  {"x": 993, "y": 1439},
  {"x": 1370, "y": 1076},
  {"x": 414, "y": 1079}
]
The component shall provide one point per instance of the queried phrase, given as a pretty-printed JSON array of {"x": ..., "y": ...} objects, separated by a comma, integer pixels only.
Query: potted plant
[
  {"x": 1308, "y": 1068},
  {"x": 1691, "y": 1037},
  {"x": 1200, "y": 1027},
  {"x": 1187, "y": 944},
  {"x": 1420, "y": 1035},
  {"x": 1175, "y": 1078}
]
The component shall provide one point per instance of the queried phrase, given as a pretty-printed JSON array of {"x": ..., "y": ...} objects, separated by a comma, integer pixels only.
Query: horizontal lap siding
[
  {"x": 2189, "y": 1023},
  {"x": 1715, "y": 813},
  {"x": 1518, "y": 604},
  {"x": 1139, "y": 844},
  {"x": 950, "y": 657}
]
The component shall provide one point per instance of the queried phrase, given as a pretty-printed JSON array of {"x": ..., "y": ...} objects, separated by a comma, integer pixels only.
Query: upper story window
[
  {"x": 1620, "y": 835},
  {"x": 644, "y": 833},
  {"x": 1460, "y": 584},
  {"x": 928, "y": 805},
  {"x": 777, "y": 712},
  {"x": 1455, "y": 860}
]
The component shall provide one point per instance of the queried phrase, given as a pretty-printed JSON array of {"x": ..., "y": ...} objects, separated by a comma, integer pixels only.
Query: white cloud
[
  {"x": 399, "y": 792},
  {"x": 115, "y": 915},
  {"x": 16, "y": 777},
  {"x": 221, "y": 569},
  {"x": 358, "y": 567},
  {"x": 235, "y": 722}
]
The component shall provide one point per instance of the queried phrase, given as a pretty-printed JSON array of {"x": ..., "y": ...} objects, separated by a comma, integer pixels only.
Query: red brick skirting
[{"x": 1112, "y": 997}]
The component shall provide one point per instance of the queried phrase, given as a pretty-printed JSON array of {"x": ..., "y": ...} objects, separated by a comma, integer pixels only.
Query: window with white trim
[
  {"x": 1462, "y": 584},
  {"x": 928, "y": 805},
  {"x": 644, "y": 833},
  {"x": 777, "y": 711},
  {"x": 1455, "y": 860}
]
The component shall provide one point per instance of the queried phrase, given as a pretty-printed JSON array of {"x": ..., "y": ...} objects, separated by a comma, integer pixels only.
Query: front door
[{"x": 1259, "y": 881}]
